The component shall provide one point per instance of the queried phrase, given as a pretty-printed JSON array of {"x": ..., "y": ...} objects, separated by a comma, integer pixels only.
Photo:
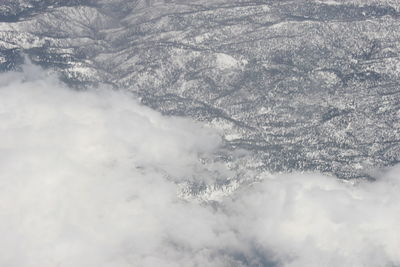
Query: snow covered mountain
[
  {"x": 272, "y": 101},
  {"x": 303, "y": 85}
]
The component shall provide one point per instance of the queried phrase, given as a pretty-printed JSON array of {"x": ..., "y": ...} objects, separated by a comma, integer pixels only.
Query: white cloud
[{"x": 90, "y": 178}]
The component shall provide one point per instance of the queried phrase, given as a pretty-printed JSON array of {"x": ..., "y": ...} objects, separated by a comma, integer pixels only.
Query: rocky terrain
[{"x": 302, "y": 85}]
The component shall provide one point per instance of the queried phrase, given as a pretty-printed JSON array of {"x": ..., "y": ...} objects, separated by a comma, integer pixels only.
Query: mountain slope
[{"x": 303, "y": 85}]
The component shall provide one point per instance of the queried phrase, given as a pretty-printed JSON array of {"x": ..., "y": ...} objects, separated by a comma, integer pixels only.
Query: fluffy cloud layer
[{"x": 91, "y": 178}]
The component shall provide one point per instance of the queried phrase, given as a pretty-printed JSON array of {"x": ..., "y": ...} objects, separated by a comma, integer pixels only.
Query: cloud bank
[{"x": 91, "y": 179}]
